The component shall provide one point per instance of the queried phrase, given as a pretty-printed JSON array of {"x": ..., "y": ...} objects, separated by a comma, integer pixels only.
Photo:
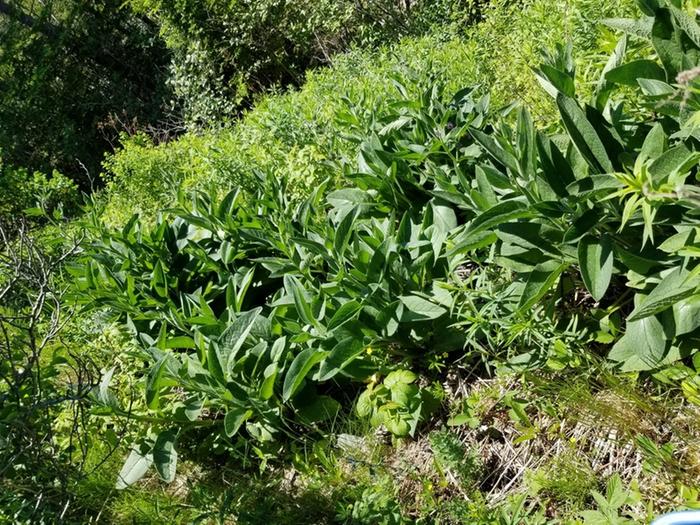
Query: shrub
[
  {"x": 220, "y": 61},
  {"x": 297, "y": 133},
  {"x": 67, "y": 70},
  {"x": 256, "y": 316},
  {"x": 20, "y": 190}
]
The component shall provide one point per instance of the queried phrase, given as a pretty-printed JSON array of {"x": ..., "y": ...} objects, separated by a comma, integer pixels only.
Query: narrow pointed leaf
[{"x": 299, "y": 369}]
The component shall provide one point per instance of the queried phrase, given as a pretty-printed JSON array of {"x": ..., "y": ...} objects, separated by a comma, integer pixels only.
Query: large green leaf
[
  {"x": 154, "y": 382},
  {"x": 641, "y": 27},
  {"x": 299, "y": 369},
  {"x": 419, "y": 309},
  {"x": 344, "y": 232},
  {"x": 686, "y": 23},
  {"x": 136, "y": 465},
  {"x": 232, "y": 339},
  {"x": 595, "y": 257},
  {"x": 343, "y": 314},
  {"x": 496, "y": 151},
  {"x": 165, "y": 455},
  {"x": 667, "y": 44},
  {"x": 643, "y": 346},
  {"x": 555, "y": 169},
  {"x": 672, "y": 289},
  {"x": 501, "y": 213},
  {"x": 234, "y": 418},
  {"x": 583, "y": 135},
  {"x": 303, "y": 305},
  {"x": 342, "y": 354},
  {"x": 684, "y": 316},
  {"x": 539, "y": 282},
  {"x": 628, "y": 74}
]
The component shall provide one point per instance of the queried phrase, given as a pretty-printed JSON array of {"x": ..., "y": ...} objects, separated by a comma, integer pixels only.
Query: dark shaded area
[{"x": 73, "y": 74}]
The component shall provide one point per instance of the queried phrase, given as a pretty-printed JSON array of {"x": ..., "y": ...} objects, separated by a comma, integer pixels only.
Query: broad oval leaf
[
  {"x": 627, "y": 74},
  {"x": 134, "y": 468},
  {"x": 419, "y": 309},
  {"x": 342, "y": 354},
  {"x": 643, "y": 346},
  {"x": 499, "y": 214},
  {"x": 672, "y": 289},
  {"x": 595, "y": 257},
  {"x": 165, "y": 455},
  {"x": 343, "y": 314},
  {"x": 235, "y": 417}
]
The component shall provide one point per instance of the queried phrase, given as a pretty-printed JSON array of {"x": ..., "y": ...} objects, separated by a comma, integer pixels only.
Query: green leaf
[
  {"x": 346, "y": 199},
  {"x": 232, "y": 339},
  {"x": 588, "y": 186},
  {"x": 494, "y": 149},
  {"x": 679, "y": 241},
  {"x": 299, "y": 369},
  {"x": 666, "y": 43},
  {"x": 444, "y": 217},
  {"x": 504, "y": 212},
  {"x": 343, "y": 314},
  {"x": 135, "y": 466},
  {"x": 303, "y": 306},
  {"x": 642, "y": 347},
  {"x": 672, "y": 289},
  {"x": 485, "y": 188},
  {"x": 193, "y": 408},
  {"x": 628, "y": 74},
  {"x": 555, "y": 168},
  {"x": 344, "y": 232},
  {"x": 268, "y": 384},
  {"x": 182, "y": 341},
  {"x": 554, "y": 80},
  {"x": 343, "y": 353},
  {"x": 539, "y": 282},
  {"x": 235, "y": 417},
  {"x": 686, "y": 315},
  {"x": 165, "y": 455},
  {"x": 595, "y": 257},
  {"x": 154, "y": 382},
  {"x": 655, "y": 88},
  {"x": 583, "y": 135},
  {"x": 641, "y": 27},
  {"x": 686, "y": 23},
  {"x": 419, "y": 309},
  {"x": 404, "y": 377},
  {"x": 159, "y": 280}
]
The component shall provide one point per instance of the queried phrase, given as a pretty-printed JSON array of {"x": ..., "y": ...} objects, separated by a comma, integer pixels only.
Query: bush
[
  {"x": 220, "y": 62},
  {"x": 297, "y": 134},
  {"x": 69, "y": 71},
  {"x": 257, "y": 317},
  {"x": 20, "y": 190}
]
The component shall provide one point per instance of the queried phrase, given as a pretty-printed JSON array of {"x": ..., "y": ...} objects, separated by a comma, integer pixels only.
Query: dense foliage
[
  {"x": 383, "y": 297},
  {"x": 73, "y": 75},
  {"x": 260, "y": 317},
  {"x": 221, "y": 61}
]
